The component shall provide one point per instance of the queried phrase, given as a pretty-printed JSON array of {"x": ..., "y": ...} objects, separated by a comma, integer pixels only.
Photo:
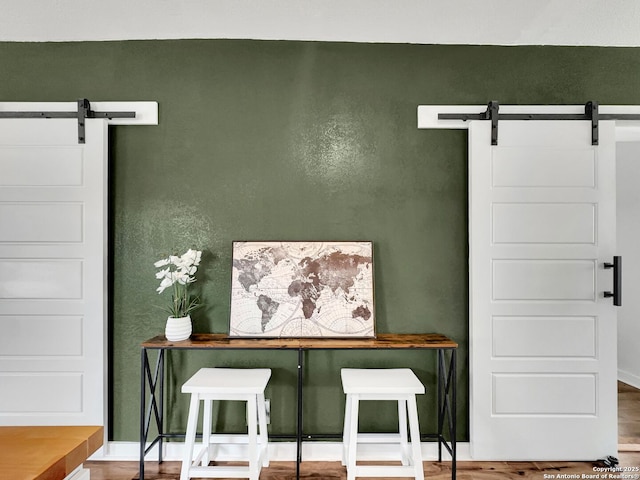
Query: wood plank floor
[
  {"x": 628, "y": 417},
  {"x": 629, "y": 456},
  {"x": 335, "y": 471}
]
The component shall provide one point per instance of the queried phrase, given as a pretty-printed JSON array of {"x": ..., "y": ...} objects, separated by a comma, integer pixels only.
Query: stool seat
[
  {"x": 250, "y": 381},
  {"x": 380, "y": 381},
  {"x": 219, "y": 384},
  {"x": 396, "y": 384}
]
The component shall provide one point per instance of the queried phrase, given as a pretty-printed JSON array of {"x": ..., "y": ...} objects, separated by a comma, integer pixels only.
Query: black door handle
[{"x": 617, "y": 280}]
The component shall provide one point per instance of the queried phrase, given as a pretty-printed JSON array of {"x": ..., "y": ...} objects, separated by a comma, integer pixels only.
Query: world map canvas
[{"x": 302, "y": 289}]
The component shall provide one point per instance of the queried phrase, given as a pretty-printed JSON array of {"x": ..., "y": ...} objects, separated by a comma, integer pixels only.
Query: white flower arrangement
[{"x": 179, "y": 273}]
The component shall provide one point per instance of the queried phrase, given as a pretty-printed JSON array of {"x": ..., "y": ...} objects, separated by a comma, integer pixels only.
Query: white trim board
[
  {"x": 146, "y": 112},
  {"x": 626, "y": 130},
  {"x": 80, "y": 473},
  {"x": 278, "y": 451}
]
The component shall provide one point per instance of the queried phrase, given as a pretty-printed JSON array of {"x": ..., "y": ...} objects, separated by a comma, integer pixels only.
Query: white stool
[
  {"x": 397, "y": 384},
  {"x": 210, "y": 384}
]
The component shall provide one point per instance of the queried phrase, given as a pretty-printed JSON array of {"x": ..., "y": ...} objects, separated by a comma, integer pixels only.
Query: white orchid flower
[
  {"x": 179, "y": 273},
  {"x": 162, "y": 273},
  {"x": 161, "y": 263},
  {"x": 165, "y": 283},
  {"x": 191, "y": 257},
  {"x": 181, "y": 277}
]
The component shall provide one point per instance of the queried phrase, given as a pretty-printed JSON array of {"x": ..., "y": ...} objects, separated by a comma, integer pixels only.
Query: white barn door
[
  {"x": 543, "y": 336},
  {"x": 52, "y": 272}
]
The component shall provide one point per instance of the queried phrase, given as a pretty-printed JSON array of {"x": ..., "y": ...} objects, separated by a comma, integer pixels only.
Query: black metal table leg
[
  {"x": 447, "y": 405},
  {"x": 439, "y": 391},
  {"x": 454, "y": 402},
  {"x": 160, "y": 421},
  {"x": 144, "y": 365},
  {"x": 155, "y": 383},
  {"x": 299, "y": 421}
]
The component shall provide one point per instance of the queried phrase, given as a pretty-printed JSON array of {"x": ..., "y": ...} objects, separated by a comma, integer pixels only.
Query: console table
[{"x": 152, "y": 378}]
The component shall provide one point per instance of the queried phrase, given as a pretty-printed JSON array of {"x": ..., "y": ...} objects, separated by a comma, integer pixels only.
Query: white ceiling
[{"x": 483, "y": 22}]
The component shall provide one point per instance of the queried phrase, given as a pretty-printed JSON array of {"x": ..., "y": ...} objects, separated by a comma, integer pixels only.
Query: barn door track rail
[
  {"x": 591, "y": 114},
  {"x": 84, "y": 111}
]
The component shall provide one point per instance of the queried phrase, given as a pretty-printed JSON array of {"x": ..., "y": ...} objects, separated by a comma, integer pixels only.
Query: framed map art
[{"x": 302, "y": 289}]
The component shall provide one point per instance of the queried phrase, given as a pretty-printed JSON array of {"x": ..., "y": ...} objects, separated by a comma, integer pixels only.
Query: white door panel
[
  {"x": 41, "y": 222},
  {"x": 521, "y": 223},
  {"x": 528, "y": 336},
  {"x": 546, "y": 279},
  {"x": 61, "y": 335},
  {"x": 542, "y": 167},
  {"x": 52, "y": 272},
  {"x": 528, "y": 394},
  {"x": 543, "y": 337},
  {"x": 40, "y": 166}
]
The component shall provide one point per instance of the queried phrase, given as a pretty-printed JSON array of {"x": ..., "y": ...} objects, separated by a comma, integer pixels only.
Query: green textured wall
[{"x": 294, "y": 141}]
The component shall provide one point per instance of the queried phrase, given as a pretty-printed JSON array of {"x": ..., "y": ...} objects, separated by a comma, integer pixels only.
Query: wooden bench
[{"x": 46, "y": 453}]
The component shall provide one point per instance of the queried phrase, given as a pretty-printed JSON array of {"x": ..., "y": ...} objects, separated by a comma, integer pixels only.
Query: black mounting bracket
[
  {"x": 591, "y": 110},
  {"x": 84, "y": 111},
  {"x": 492, "y": 114},
  {"x": 591, "y": 114},
  {"x": 84, "y": 107}
]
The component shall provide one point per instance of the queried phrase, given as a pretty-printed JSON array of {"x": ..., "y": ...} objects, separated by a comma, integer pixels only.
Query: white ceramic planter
[{"x": 178, "y": 329}]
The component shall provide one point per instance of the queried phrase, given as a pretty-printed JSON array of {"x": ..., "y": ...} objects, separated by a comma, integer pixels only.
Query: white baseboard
[
  {"x": 80, "y": 473},
  {"x": 278, "y": 451},
  {"x": 629, "y": 378}
]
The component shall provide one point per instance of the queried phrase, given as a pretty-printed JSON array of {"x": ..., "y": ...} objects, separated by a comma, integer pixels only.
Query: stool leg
[
  {"x": 345, "y": 430},
  {"x": 264, "y": 436},
  {"x": 206, "y": 432},
  {"x": 402, "y": 428},
  {"x": 252, "y": 427},
  {"x": 353, "y": 437},
  {"x": 415, "y": 438},
  {"x": 190, "y": 436}
]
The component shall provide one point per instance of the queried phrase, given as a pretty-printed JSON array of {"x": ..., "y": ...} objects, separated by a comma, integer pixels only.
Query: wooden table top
[
  {"x": 46, "y": 453},
  {"x": 382, "y": 341}
]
